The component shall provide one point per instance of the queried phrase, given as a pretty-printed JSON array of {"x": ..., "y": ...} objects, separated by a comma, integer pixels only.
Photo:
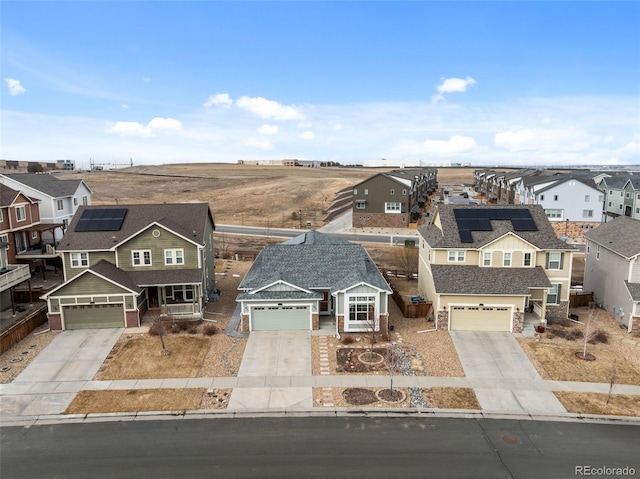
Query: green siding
[
  {"x": 92, "y": 317},
  {"x": 94, "y": 258},
  {"x": 166, "y": 240},
  {"x": 209, "y": 257},
  {"x": 89, "y": 284}
]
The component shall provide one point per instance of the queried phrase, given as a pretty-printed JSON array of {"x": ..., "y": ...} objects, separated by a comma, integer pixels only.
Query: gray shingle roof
[
  {"x": 634, "y": 290},
  {"x": 166, "y": 277},
  {"x": 47, "y": 184},
  {"x": 449, "y": 237},
  {"x": 319, "y": 264},
  {"x": 621, "y": 235},
  {"x": 451, "y": 279},
  {"x": 7, "y": 195},
  {"x": 109, "y": 270},
  {"x": 271, "y": 295},
  {"x": 314, "y": 237},
  {"x": 186, "y": 219}
]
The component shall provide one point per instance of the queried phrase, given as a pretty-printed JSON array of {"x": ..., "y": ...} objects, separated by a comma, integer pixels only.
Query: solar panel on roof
[
  {"x": 479, "y": 219},
  {"x": 466, "y": 236},
  {"x": 101, "y": 219}
]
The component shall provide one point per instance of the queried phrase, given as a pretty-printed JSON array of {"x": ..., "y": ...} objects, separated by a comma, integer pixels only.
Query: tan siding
[
  {"x": 281, "y": 287},
  {"x": 516, "y": 301},
  {"x": 166, "y": 240},
  {"x": 89, "y": 284},
  {"x": 509, "y": 243}
]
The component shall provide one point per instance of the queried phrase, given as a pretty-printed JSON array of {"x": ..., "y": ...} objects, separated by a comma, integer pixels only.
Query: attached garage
[
  {"x": 280, "y": 318},
  {"x": 480, "y": 318},
  {"x": 93, "y": 316}
]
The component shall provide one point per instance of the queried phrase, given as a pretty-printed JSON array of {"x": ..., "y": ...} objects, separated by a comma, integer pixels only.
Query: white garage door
[
  {"x": 280, "y": 318},
  {"x": 480, "y": 318}
]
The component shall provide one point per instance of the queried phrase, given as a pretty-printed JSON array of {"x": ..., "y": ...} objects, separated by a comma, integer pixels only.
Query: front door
[
  {"x": 153, "y": 297},
  {"x": 21, "y": 242},
  {"x": 325, "y": 303}
]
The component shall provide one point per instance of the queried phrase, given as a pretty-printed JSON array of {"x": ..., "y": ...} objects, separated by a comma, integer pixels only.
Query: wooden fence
[
  {"x": 410, "y": 309},
  {"x": 577, "y": 300},
  {"x": 21, "y": 329}
]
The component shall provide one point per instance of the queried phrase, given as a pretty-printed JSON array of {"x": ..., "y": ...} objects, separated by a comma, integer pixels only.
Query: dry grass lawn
[
  {"x": 452, "y": 398},
  {"x": 593, "y": 403},
  {"x": 142, "y": 358},
  {"x": 135, "y": 400},
  {"x": 559, "y": 363}
]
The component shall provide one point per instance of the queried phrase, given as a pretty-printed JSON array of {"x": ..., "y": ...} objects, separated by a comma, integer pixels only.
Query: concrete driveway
[
  {"x": 54, "y": 377},
  {"x": 271, "y": 363},
  {"x": 502, "y": 376}
]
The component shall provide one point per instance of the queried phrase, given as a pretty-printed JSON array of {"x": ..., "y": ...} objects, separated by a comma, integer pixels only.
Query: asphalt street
[{"x": 322, "y": 447}]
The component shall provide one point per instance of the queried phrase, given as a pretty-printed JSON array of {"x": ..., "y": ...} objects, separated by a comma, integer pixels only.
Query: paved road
[
  {"x": 316, "y": 448},
  {"x": 501, "y": 374}
]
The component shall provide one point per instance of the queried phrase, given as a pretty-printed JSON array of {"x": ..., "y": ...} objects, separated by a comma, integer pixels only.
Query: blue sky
[{"x": 510, "y": 83}]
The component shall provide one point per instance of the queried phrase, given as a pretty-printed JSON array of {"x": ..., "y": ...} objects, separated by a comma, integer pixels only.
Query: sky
[{"x": 507, "y": 83}]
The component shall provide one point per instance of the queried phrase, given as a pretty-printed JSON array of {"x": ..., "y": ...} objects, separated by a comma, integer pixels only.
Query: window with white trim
[
  {"x": 587, "y": 198},
  {"x": 75, "y": 201},
  {"x": 366, "y": 191},
  {"x": 486, "y": 258},
  {"x": 404, "y": 192},
  {"x": 597, "y": 251},
  {"x": 554, "y": 260},
  {"x": 456, "y": 256},
  {"x": 79, "y": 260},
  {"x": 600, "y": 198},
  {"x": 355, "y": 191},
  {"x": 392, "y": 207},
  {"x": 587, "y": 213},
  {"x": 183, "y": 292},
  {"x": 526, "y": 259},
  {"x": 361, "y": 308},
  {"x": 361, "y": 204},
  {"x": 85, "y": 200},
  {"x": 34, "y": 235},
  {"x": 173, "y": 257},
  {"x": 1, "y": 217},
  {"x": 141, "y": 257},
  {"x": 553, "y": 296},
  {"x": 506, "y": 258},
  {"x": 60, "y": 204},
  {"x": 554, "y": 214},
  {"x": 21, "y": 213},
  {"x": 392, "y": 192}
]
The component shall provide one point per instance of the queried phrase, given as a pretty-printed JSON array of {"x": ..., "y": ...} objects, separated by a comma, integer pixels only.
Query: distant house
[
  {"x": 484, "y": 266},
  {"x": 120, "y": 262},
  {"x": 622, "y": 196},
  {"x": 59, "y": 199},
  {"x": 393, "y": 199},
  {"x": 291, "y": 285},
  {"x": 612, "y": 269}
]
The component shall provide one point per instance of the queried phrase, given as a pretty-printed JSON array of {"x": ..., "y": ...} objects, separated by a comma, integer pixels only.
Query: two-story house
[
  {"x": 393, "y": 199},
  {"x": 18, "y": 214},
  {"x": 58, "y": 199},
  {"x": 122, "y": 261},
  {"x": 483, "y": 267},
  {"x": 612, "y": 269},
  {"x": 622, "y": 196}
]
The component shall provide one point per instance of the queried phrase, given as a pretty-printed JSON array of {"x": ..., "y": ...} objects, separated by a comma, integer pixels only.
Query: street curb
[{"x": 28, "y": 421}]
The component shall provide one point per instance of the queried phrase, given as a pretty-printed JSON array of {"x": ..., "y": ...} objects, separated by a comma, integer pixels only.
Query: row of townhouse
[
  {"x": 621, "y": 196},
  {"x": 393, "y": 199},
  {"x": 571, "y": 200}
]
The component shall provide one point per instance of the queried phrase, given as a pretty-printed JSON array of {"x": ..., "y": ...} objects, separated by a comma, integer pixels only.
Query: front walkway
[{"x": 501, "y": 374}]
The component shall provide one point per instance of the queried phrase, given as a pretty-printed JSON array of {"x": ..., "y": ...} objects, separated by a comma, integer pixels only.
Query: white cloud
[
  {"x": 268, "y": 129},
  {"x": 14, "y": 86},
  {"x": 268, "y": 109},
  {"x": 539, "y": 139},
  {"x": 307, "y": 135},
  {"x": 165, "y": 124},
  {"x": 221, "y": 99},
  {"x": 124, "y": 106},
  {"x": 129, "y": 128},
  {"x": 260, "y": 144},
  {"x": 452, "y": 85},
  {"x": 456, "y": 144},
  {"x": 146, "y": 79}
]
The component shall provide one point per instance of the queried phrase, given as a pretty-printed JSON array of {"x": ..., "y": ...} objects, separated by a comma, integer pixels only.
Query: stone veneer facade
[
  {"x": 518, "y": 322},
  {"x": 380, "y": 220},
  {"x": 442, "y": 321},
  {"x": 557, "y": 311}
]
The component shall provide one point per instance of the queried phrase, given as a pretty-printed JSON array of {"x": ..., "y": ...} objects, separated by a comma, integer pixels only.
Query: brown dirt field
[
  {"x": 135, "y": 400},
  {"x": 451, "y": 398},
  {"x": 594, "y": 403},
  {"x": 141, "y": 358},
  {"x": 239, "y": 194}
]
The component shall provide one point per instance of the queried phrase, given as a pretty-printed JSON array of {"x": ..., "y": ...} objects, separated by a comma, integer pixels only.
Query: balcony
[{"x": 13, "y": 275}]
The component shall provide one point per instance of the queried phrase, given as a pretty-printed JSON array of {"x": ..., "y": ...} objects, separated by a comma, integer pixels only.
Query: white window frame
[
  {"x": 139, "y": 257},
  {"x": 187, "y": 291},
  {"x": 486, "y": 255},
  {"x": 366, "y": 191},
  {"x": 1, "y": 216},
  {"x": 34, "y": 235},
  {"x": 79, "y": 260},
  {"x": 587, "y": 213},
  {"x": 23, "y": 212},
  {"x": 554, "y": 292},
  {"x": 552, "y": 262},
  {"x": 392, "y": 192},
  {"x": 85, "y": 200},
  {"x": 60, "y": 205},
  {"x": 355, "y": 191},
  {"x": 393, "y": 207},
  {"x": 75, "y": 201},
  {"x": 174, "y": 257},
  {"x": 598, "y": 252},
  {"x": 524, "y": 259},
  {"x": 507, "y": 259},
  {"x": 364, "y": 304},
  {"x": 404, "y": 192},
  {"x": 455, "y": 256},
  {"x": 554, "y": 213},
  {"x": 361, "y": 204}
]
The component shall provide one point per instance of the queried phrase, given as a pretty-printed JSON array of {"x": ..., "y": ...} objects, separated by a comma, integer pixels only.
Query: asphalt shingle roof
[
  {"x": 634, "y": 290},
  {"x": 7, "y": 195},
  {"x": 186, "y": 219},
  {"x": 323, "y": 263},
  {"x": 449, "y": 237},
  {"x": 109, "y": 270},
  {"x": 451, "y": 279},
  {"x": 271, "y": 295},
  {"x": 47, "y": 184},
  {"x": 621, "y": 235}
]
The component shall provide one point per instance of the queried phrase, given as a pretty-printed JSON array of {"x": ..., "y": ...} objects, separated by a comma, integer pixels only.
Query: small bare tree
[
  {"x": 392, "y": 363},
  {"x": 160, "y": 328},
  {"x": 589, "y": 333},
  {"x": 612, "y": 381},
  {"x": 407, "y": 260}
]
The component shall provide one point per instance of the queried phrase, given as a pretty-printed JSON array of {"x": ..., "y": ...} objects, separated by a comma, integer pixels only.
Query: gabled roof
[
  {"x": 621, "y": 235},
  {"x": 315, "y": 237},
  {"x": 449, "y": 236},
  {"x": 9, "y": 195},
  {"x": 186, "y": 219},
  {"x": 582, "y": 179},
  {"x": 634, "y": 290},
  {"x": 48, "y": 184},
  {"x": 451, "y": 279},
  {"x": 325, "y": 262}
]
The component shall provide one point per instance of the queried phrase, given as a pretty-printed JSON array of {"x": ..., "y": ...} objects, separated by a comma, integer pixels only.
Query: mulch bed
[
  {"x": 359, "y": 396},
  {"x": 348, "y": 361}
]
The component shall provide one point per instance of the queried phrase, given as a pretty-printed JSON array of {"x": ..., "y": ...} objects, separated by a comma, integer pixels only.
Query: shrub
[
  {"x": 561, "y": 333},
  {"x": 210, "y": 329},
  {"x": 347, "y": 340},
  {"x": 193, "y": 329},
  {"x": 599, "y": 336},
  {"x": 574, "y": 334},
  {"x": 566, "y": 322}
]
